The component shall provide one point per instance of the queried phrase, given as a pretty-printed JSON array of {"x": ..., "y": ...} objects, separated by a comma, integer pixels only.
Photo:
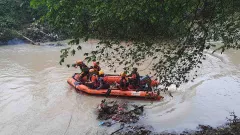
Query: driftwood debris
[
  {"x": 31, "y": 41},
  {"x": 119, "y": 112},
  {"x": 112, "y": 112}
]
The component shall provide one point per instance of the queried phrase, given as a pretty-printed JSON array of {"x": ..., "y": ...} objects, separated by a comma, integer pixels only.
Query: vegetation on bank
[
  {"x": 15, "y": 15},
  {"x": 19, "y": 20}
]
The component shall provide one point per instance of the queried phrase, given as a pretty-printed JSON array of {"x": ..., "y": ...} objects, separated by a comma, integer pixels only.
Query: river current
[{"x": 35, "y": 97}]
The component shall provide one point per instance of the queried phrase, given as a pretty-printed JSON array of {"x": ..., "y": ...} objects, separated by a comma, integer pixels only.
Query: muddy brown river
[{"x": 35, "y": 98}]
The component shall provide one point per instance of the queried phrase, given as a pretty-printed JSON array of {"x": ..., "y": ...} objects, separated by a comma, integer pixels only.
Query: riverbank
[
  {"x": 31, "y": 33},
  {"x": 230, "y": 128}
]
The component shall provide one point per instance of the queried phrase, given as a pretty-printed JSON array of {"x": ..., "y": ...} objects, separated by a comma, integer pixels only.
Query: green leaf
[
  {"x": 174, "y": 33},
  {"x": 79, "y": 47},
  {"x": 73, "y": 52}
]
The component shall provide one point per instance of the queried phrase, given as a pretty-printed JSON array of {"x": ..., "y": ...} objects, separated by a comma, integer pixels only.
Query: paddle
[{"x": 121, "y": 127}]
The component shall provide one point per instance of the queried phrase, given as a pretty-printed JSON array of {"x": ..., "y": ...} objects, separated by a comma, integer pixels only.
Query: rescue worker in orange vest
[
  {"x": 84, "y": 68},
  {"x": 135, "y": 78},
  {"x": 102, "y": 83},
  {"x": 93, "y": 84},
  {"x": 123, "y": 81}
]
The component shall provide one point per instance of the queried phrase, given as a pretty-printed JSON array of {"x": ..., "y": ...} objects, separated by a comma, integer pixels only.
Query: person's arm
[
  {"x": 82, "y": 68},
  {"x": 74, "y": 65},
  {"x": 100, "y": 86},
  {"x": 130, "y": 75}
]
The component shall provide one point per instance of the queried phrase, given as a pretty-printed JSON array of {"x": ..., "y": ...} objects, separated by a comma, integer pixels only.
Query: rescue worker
[
  {"x": 135, "y": 78},
  {"x": 96, "y": 66},
  {"x": 91, "y": 73},
  {"x": 123, "y": 81},
  {"x": 102, "y": 83},
  {"x": 146, "y": 80},
  {"x": 84, "y": 68},
  {"x": 93, "y": 84}
]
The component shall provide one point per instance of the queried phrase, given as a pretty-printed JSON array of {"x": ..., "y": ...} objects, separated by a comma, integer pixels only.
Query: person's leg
[
  {"x": 121, "y": 85},
  {"x": 106, "y": 86},
  {"x": 127, "y": 84},
  {"x": 90, "y": 85},
  {"x": 134, "y": 83},
  {"x": 83, "y": 74}
]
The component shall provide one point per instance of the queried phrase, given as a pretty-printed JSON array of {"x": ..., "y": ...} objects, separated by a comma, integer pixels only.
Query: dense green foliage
[
  {"x": 172, "y": 34},
  {"x": 17, "y": 18},
  {"x": 14, "y": 14}
]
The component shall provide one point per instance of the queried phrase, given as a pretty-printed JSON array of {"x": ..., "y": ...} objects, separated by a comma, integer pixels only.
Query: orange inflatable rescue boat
[{"x": 110, "y": 79}]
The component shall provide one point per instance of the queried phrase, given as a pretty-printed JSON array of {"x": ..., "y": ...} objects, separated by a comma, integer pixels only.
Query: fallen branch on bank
[{"x": 31, "y": 41}]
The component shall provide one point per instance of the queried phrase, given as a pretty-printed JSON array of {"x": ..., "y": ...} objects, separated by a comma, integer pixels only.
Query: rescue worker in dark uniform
[
  {"x": 84, "y": 68},
  {"x": 102, "y": 83},
  {"x": 135, "y": 78}
]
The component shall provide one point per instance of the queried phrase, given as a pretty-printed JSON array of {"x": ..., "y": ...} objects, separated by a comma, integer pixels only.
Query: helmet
[
  {"x": 95, "y": 63},
  {"x": 79, "y": 62},
  {"x": 91, "y": 70},
  {"x": 100, "y": 72},
  {"x": 123, "y": 74}
]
